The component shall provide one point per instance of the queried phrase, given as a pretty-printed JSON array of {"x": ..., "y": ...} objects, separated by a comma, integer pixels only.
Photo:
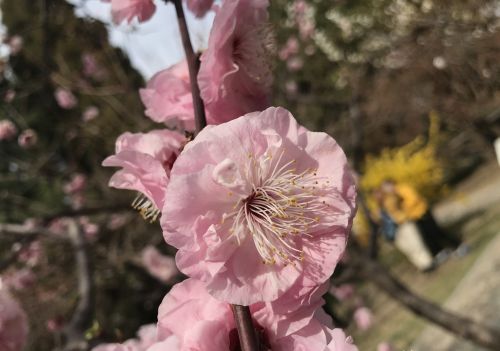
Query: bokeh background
[{"x": 409, "y": 89}]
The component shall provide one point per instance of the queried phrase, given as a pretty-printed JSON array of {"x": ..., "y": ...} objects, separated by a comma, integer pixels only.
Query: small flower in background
[
  {"x": 236, "y": 69},
  {"x": 10, "y": 95},
  {"x": 76, "y": 184},
  {"x": 256, "y": 203},
  {"x": 16, "y": 44},
  {"x": 342, "y": 292},
  {"x": 90, "y": 230},
  {"x": 291, "y": 48},
  {"x": 65, "y": 98},
  {"x": 127, "y": 10},
  {"x": 295, "y": 64},
  {"x": 291, "y": 87},
  {"x": 199, "y": 7},
  {"x": 90, "y": 113},
  {"x": 27, "y": 138},
  {"x": 439, "y": 62},
  {"x": 116, "y": 221},
  {"x": 167, "y": 97},
  {"x": 31, "y": 254},
  {"x": 159, "y": 266},
  {"x": 385, "y": 346},
  {"x": 19, "y": 279},
  {"x": 55, "y": 325},
  {"x": 7, "y": 130},
  {"x": 91, "y": 67},
  {"x": 13, "y": 322},
  {"x": 363, "y": 317},
  {"x": 146, "y": 159}
]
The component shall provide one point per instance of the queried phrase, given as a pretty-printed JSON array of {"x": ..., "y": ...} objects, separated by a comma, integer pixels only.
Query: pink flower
[
  {"x": 363, "y": 318},
  {"x": 16, "y": 44},
  {"x": 159, "y": 266},
  {"x": 31, "y": 254},
  {"x": 7, "y": 130},
  {"x": 147, "y": 340},
  {"x": 202, "y": 323},
  {"x": 291, "y": 87},
  {"x": 167, "y": 96},
  {"x": 236, "y": 71},
  {"x": 77, "y": 183},
  {"x": 384, "y": 346},
  {"x": 91, "y": 67},
  {"x": 27, "y": 138},
  {"x": 90, "y": 113},
  {"x": 291, "y": 48},
  {"x": 19, "y": 279},
  {"x": 90, "y": 230},
  {"x": 116, "y": 221},
  {"x": 199, "y": 7},
  {"x": 65, "y": 98},
  {"x": 127, "y": 10},
  {"x": 295, "y": 64},
  {"x": 256, "y": 203},
  {"x": 13, "y": 323},
  {"x": 10, "y": 95},
  {"x": 146, "y": 159},
  {"x": 55, "y": 324},
  {"x": 342, "y": 292}
]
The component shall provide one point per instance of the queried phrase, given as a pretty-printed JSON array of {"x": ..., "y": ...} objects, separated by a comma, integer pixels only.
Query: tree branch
[
  {"x": 465, "y": 328},
  {"x": 246, "y": 330},
  {"x": 193, "y": 65},
  {"x": 84, "y": 312}
]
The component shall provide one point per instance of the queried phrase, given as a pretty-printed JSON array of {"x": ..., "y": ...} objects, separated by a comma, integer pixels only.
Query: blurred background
[{"x": 409, "y": 89}]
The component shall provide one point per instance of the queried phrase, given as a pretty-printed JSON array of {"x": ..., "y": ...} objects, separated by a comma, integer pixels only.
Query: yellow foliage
[{"x": 415, "y": 164}]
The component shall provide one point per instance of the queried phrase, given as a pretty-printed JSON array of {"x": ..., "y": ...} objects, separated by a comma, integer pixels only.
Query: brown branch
[
  {"x": 465, "y": 328},
  {"x": 88, "y": 211},
  {"x": 246, "y": 330},
  {"x": 84, "y": 312},
  {"x": 193, "y": 65}
]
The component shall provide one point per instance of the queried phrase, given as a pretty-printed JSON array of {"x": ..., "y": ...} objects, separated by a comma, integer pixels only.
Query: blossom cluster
[{"x": 258, "y": 207}]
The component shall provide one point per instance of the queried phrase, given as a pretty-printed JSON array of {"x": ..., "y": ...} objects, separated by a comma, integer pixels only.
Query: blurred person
[
  {"x": 406, "y": 206},
  {"x": 403, "y": 233}
]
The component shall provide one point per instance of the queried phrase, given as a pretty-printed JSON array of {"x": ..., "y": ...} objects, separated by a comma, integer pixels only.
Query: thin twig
[{"x": 193, "y": 65}]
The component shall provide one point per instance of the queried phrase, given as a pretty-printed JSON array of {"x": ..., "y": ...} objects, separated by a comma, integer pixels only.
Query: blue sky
[{"x": 155, "y": 44}]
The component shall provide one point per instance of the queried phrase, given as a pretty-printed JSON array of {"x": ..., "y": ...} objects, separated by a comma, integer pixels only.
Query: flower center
[
  {"x": 146, "y": 208},
  {"x": 282, "y": 208}
]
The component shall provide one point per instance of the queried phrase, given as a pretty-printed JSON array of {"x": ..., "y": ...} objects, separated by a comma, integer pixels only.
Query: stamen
[
  {"x": 146, "y": 208},
  {"x": 280, "y": 209}
]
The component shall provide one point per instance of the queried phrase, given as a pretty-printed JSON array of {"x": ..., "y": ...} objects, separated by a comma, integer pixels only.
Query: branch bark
[
  {"x": 465, "y": 328},
  {"x": 84, "y": 312},
  {"x": 193, "y": 65},
  {"x": 246, "y": 330}
]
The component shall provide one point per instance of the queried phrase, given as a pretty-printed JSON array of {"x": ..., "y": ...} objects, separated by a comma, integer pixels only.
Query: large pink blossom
[
  {"x": 146, "y": 159},
  {"x": 127, "y": 10},
  {"x": 13, "y": 323},
  {"x": 199, "y": 7},
  {"x": 159, "y": 266},
  {"x": 256, "y": 203},
  {"x": 202, "y": 323},
  {"x": 167, "y": 97},
  {"x": 236, "y": 71}
]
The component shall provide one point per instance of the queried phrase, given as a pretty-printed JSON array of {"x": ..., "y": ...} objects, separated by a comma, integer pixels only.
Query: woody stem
[
  {"x": 193, "y": 65},
  {"x": 246, "y": 330}
]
